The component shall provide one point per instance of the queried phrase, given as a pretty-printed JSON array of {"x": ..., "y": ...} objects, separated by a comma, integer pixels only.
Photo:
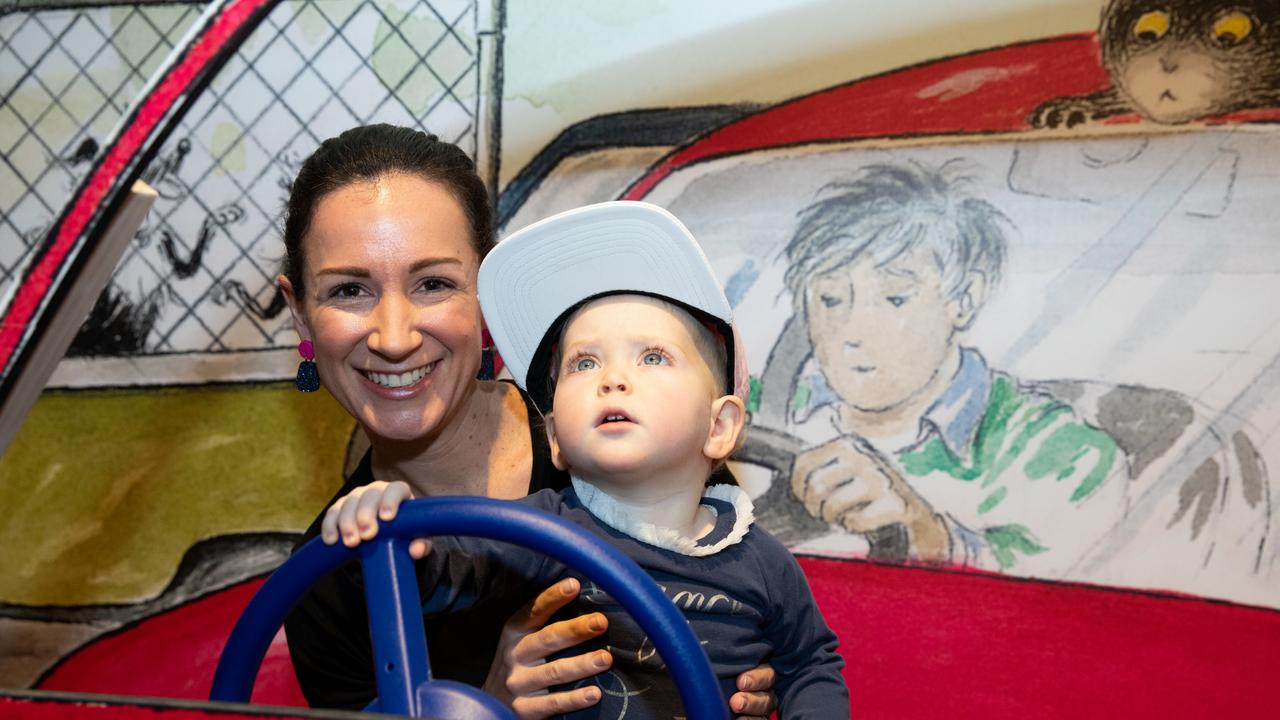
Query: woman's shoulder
[
  {"x": 543, "y": 473},
  {"x": 361, "y": 475}
]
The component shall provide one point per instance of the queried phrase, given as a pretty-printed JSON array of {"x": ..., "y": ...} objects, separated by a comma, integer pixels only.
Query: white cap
[{"x": 536, "y": 275}]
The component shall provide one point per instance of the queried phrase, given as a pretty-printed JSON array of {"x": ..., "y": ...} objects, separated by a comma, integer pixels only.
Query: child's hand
[
  {"x": 355, "y": 517},
  {"x": 845, "y": 482}
]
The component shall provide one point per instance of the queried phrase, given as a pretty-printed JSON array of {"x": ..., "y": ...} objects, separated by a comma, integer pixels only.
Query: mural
[
  {"x": 200, "y": 275},
  {"x": 947, "y": 361},
  {"x": 1011, "y": 316},
  {"x": 1179, "y": 61},
  {"x": 192, "y": 301}
]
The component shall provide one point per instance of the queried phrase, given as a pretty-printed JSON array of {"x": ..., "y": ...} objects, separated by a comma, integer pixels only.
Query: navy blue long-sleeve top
[{"x": 748, "y": 603}]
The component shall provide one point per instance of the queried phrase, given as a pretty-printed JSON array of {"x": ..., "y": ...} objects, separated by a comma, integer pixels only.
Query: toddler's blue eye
[
  {"x": 585, "y": 363},
  {"x": 653, "y": 358},
  {"x": 897, "y": 300}
]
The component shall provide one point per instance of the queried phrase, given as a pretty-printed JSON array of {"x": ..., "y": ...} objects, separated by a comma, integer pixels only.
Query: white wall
[{"x": 569, "y": 60}]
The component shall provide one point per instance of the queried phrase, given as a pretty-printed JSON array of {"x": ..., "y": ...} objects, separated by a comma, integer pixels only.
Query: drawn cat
[{"x": 1175, "y": 61}]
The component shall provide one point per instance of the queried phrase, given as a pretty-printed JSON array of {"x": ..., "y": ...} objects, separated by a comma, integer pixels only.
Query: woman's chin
[{"x": 382, "y": 427}]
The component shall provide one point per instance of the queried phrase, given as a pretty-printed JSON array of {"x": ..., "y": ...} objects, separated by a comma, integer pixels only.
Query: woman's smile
[{"x": 405, "y": 379}]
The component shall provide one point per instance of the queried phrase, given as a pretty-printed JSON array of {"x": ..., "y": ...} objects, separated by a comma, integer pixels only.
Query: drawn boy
[
  {"x": 612, "y": 319},
  {"x": 889, "y": 271}
]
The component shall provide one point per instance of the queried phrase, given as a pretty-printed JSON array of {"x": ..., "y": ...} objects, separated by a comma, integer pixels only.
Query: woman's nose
[{"x": 395, "y": 333}]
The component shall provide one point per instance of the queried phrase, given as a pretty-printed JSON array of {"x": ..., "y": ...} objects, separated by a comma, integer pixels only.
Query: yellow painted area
[
  {"x": 103, "y": 491},
  {"x": 401, "y": 37},
  {"x": 312, "y": 23}
]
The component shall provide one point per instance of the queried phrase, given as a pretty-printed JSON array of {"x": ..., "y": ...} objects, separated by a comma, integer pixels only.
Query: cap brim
[{"x": 536, "y": 274}]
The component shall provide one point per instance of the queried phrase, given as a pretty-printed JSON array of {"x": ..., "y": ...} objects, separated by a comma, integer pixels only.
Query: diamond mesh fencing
[
  {"x": 199, "y": 275},
  {"x": 66, "y": 77}
]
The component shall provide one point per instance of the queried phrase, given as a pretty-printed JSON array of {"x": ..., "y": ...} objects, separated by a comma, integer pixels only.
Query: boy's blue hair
[{"x": 887, "y": 210}]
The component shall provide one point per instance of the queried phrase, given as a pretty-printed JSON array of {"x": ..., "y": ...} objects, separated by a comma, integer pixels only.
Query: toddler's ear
[
  {"x": 728, "y": 416},
  {"x": 556, "y": 458}
]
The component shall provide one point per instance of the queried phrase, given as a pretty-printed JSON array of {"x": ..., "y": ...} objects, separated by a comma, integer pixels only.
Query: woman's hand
[
  {"x": 521, "y": 675},
  {"x": 354, "y": 518},
  {"x": 755, "y": 699}
]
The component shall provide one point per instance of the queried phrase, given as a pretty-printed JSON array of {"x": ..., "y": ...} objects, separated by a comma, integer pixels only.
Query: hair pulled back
[{"x": 370, "y": 152}]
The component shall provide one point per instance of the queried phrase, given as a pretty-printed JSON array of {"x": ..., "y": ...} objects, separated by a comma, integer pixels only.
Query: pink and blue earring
[
  {"x": 308, "y": 379},
  {"x": 490, "y": 363}
]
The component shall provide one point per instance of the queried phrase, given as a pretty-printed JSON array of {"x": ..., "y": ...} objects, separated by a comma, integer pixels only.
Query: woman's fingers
[
  {"x": 760, "y": 677},
  {"x": 560, "y": 703},
  {"x": 538, "y": 611},
  {"x": 755, "y": 698},
  {"x": 527, "y": 680},
  {"x": 541, "y": 644},
  {"x": 752, "y": 705},
  {"x": 520, "y": 675}
]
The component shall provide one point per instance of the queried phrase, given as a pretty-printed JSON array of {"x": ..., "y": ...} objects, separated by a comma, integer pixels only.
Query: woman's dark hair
[{"x": 364, "y": 154}]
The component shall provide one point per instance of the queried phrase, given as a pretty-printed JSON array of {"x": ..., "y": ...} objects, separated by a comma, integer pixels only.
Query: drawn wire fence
[{"x": 199, "y": 275}]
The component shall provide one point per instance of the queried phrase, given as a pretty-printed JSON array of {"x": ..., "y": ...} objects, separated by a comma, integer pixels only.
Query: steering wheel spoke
[{"x": 395, "y": 624}]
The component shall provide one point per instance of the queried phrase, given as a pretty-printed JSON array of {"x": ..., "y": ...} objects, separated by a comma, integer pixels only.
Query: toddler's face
[
  {"x": 634, "y": 395},
  {"x": 881, "y": 332}
]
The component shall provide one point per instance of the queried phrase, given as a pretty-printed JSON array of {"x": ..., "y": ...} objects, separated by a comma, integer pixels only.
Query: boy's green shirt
[
  {"x": 1035, "y": 435},
  {"x": 1001, "y": 465}
]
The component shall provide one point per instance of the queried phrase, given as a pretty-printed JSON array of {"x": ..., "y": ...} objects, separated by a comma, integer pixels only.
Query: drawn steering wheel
[
  {"x": 403, "y": 672},
  {"x": 786, "y": 517}
]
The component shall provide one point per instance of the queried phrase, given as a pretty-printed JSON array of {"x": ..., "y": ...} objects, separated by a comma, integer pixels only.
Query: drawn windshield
[{"x": 1112, "y": 408}]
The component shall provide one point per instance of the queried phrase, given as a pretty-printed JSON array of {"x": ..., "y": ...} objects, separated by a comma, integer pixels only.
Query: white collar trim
[{"x": 607, "y": 509}]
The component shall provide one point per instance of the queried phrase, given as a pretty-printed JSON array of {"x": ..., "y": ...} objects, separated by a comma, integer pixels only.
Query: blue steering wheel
[{"x": 403, "y": 672}]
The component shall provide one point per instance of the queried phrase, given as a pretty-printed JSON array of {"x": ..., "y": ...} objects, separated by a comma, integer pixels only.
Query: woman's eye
[
  {"x": 653, "y": 357},
  {"x": 347, "y": 290},
  {"x": 897, "y": 300},
  {"x": 584, "y": 363},
  {"x": 435, "y": 284},
  {"x": 830, "y": 300}
]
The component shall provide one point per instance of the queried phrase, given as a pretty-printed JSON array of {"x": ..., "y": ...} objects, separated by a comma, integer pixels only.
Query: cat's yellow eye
[
  {"x": 1151, "y": 26},
  {"x": 1232, "y": 28}
]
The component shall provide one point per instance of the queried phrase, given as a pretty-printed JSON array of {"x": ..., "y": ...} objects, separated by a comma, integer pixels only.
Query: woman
[{"x": 384, "y": 233}]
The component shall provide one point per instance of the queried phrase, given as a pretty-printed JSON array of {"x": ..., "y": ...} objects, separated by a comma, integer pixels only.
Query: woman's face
[{"x": 390, "y": 304}]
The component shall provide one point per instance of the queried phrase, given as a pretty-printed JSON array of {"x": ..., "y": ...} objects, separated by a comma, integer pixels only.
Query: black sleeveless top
[{"x": 328, "y": 631}]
